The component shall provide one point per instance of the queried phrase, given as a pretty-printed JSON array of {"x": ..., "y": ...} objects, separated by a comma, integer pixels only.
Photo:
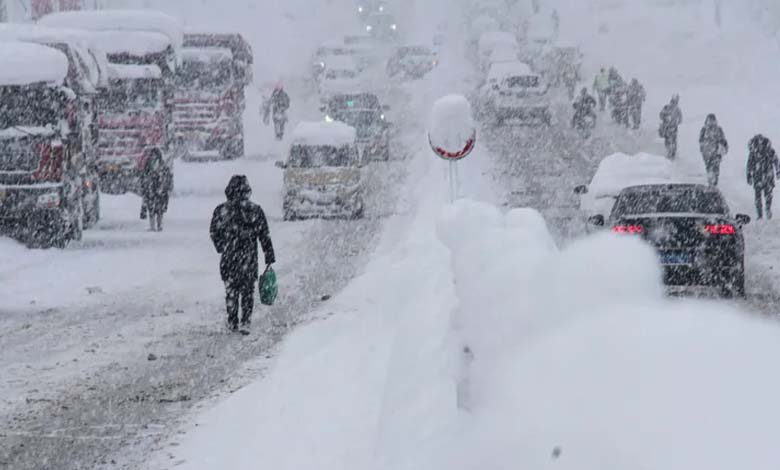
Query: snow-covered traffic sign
[{"x": 452, "y": 133}]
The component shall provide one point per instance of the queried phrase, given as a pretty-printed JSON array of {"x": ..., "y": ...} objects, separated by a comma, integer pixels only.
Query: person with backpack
[
  {"x": 156, "y": 186},
  {"x": 671, "y": 118},
  {"x": 279, "y": 104},
  {"x": 762, "y": 169},
  {"x": 713, "y": 146},
  {"x": 635, "y": 98},
  {"x": 237, "y": 226}
]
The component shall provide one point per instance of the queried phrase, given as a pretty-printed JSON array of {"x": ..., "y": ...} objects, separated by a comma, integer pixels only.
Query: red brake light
[
  {"x": 721, "y": 229},
  {"x": 627, "y": 229}
]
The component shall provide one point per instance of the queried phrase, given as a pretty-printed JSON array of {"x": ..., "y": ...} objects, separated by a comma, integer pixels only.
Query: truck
[
  {"x": 42, "y": 156},
  {"x": 87, "y": 73},
  {"x": 210, "y": 96},
  {"x": 135, "y": 112}
]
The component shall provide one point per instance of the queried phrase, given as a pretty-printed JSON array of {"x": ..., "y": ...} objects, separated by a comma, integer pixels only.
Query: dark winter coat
[
  {"x": 763, "y": 164},
  {"x": 584, "y": 105},
  {"x": 671, "y": 118},
  {"x": 156, "y": 185},
  {"x": 236, "y": 228},
  {"x": 280, "y": 101},
  {"x": 712, "y": 142},
  {"x": 636, "y": 95}
]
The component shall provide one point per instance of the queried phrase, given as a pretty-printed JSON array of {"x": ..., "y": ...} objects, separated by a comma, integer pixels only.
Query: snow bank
[
  {"x": 26, "y": 63},
  {"x": 452, "y": 126},
  {"x": 335, "y": 134}
]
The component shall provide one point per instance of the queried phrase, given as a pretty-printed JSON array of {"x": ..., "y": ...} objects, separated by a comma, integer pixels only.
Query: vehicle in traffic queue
[
  {"x": 210, "y": 97},
  {"x": 367, "y": 7},
  {"x": 699, "y": 242},
  {"x": 514, "y": 94},
  {"x": 323, "y": 175},
  {"x": 42, "y": 156},
  {"x": 135, "y": 112},
  {"x": 365, "y": 113},
  {"x": 382, "y": 26},
  {"x": 412, "y": 62},
  {"x": 342, "y": 75},
  {"x": 87, "y": 74}
]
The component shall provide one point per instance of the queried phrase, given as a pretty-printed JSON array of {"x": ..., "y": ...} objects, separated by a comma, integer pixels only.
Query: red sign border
[{"x": 455, "y": 156}]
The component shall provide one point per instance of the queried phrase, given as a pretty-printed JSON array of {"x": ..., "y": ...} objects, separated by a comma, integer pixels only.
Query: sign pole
[{"x": 453, "y": 188}]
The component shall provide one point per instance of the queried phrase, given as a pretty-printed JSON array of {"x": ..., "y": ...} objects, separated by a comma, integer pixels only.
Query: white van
[{"x": 323, "y": 173}]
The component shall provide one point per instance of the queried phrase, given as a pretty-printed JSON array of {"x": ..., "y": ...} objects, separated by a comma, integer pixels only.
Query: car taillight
[
  {"x": 627, "y": 229},
  {"x": 720, "y": 229}
]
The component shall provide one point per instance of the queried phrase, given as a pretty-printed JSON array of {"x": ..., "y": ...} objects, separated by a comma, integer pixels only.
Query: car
[
  {"x": 366, "y": 7},
  {"x": 412, "y": 62},
  {"x": 382, "y": 26},
  {"x": 513, "y": 93},
  {"x": 322, "y": 174},
  {"x": 699, "y": 242},
  {"x": 366, "y": 114},
  {"x": 341, "y": 75},
  {"x": 492, "y": 40}
]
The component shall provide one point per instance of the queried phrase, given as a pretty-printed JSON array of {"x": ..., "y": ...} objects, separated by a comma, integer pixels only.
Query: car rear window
[{"x": 692, "y": 200}]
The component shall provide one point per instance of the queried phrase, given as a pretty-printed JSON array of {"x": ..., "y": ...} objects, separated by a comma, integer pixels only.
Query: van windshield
[{"x": 306, "y": 156}]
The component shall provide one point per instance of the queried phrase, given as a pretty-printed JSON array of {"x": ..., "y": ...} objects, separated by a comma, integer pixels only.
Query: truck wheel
[
  {"x": 290, "y": 216},
  {"x": 235, "y": 149}
]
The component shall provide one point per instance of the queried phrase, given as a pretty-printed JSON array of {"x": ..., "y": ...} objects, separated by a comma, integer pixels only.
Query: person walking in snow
[
  {"x": 620, "y": 105},
  {"x": 601, "y": 88},
  {"x": 280, "y": 103},
  {"x": 671, "y": 118},
  {"x": 584, "y": 110},
  {"x": 713, "y": 145},
  {"x": 762, "y": 169},
  {"x": 236, "y": 228},
  {"x": 156, "y": 185},
  {"x": 635, "y": 99}
]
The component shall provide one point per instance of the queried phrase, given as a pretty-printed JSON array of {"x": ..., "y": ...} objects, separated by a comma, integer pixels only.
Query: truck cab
[
  {"x": 148, "y": 42},
  {"x": 42, "y": 160},
  {"x": 210, "y": 96}
]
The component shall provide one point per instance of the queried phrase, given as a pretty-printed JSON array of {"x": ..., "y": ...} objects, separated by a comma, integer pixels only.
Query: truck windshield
[
  {"x": 20, "y": 154},
  {"x": 197, "y": 75},
  {"x": 308, "y": 156},
  {"x": 128, "y": 95},
  {"x": 31, "y": 106}
]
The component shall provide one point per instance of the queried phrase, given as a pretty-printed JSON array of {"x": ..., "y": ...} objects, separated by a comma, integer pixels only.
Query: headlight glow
[
  {"x": 328, "y": 118},
  {"x": 393, "y": 27},
  {"x": 360, "y": 9}
]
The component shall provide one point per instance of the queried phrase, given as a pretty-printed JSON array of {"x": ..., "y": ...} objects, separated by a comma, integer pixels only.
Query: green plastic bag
[{"x": 268, "y": 287}]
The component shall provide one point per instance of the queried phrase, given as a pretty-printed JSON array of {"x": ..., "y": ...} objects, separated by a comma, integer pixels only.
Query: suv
[
  {"x": 322, "y": 175},
  {"x": 364, "y": 112},
  {"x": 513, "y": 92},
  {"x": 412, "y": 62},
  {"x": 698, "y": 241}
]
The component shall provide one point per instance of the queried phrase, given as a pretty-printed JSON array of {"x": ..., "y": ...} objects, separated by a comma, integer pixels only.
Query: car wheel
[{"x": 734, "y": 286}]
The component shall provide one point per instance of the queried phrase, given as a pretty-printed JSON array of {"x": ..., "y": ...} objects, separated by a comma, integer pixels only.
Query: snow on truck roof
[
  {"x": 197, "y": 54},
  {"x": 494, "y": 38},
  {"x": 139, "y": 43},
  {"x": 134, "y": 72},
  {"x": 119, "y": 20},
  {"x": 341, "y": 62},
  {"x": 25, "y": 63},
  {"x": 502, "y": 70},
  {"x": 332, "y": 134}
]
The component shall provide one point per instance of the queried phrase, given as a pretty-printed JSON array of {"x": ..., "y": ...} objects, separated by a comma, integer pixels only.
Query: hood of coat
[{"x": 238, "y": 189}]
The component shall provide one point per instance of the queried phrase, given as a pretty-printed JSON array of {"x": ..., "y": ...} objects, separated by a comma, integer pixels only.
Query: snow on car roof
[
  {"x": 502, "y": 70},
  {"x": 619, "y": 171},
  {"x": 139, "y": 43},
  {"x": 333, "y": 134},
  {"x": 493, "y": 38},
  {"x": 341, "y": 62},
  {"x": 119, "y": 20},
  {"x": 197, "y": 54},
  {"x": 133, "y": 72},
  {"x": 25, "y": 63},
  {"x": 18, "y": 132}
]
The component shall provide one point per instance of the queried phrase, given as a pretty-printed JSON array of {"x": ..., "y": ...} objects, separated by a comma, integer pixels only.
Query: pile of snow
[
  {"x": 452, "y": 126},
  {"x": 133, "y": 72},
  {"x": 25, "y": 63},
  {"x": 119, "y": 20},
  {"x": 332, "y": 134}
]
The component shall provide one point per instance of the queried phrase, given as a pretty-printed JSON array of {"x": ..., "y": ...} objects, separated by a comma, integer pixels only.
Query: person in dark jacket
[
  {"x": 635, "y": 98},
  {"x": 713, "y": 145},
  {"x": 236, "y": 228},
  {"x": 619, "y": 103},
  {"x": 156, "y": 185},
  {"x": 671, "y": 118},
  {"x": 280, "y": 103},
  {"x": 584, "y": 109},
  {"x": 762, "y": 168}
]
